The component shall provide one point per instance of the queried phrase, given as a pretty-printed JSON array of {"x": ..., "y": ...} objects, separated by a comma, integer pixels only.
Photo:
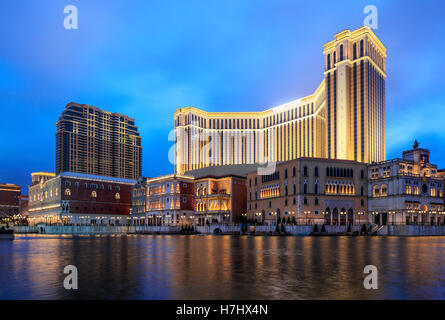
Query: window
[
  {"x": 117, "y": 196},
  {"x": 316, "y": 201},
  {"x": 316, "y": 188},
  {"x": 294, "y": 201},
  {"x": 285, "y": 173},
  {"x": 305, "y": 170},
  {"x": 305, "y": 188},
  {"x": 316, "y": 171},
  {"x": 67, "y": 192},
  {"x": 305, "y": 200},
  {"x": 94, "y": 194},
  {"x": 293, "y": 172},
  {"x": 67, "y": 184}
]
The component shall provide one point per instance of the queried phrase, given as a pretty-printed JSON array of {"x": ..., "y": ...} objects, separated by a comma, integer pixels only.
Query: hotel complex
[
  {"x": 343, "y": 119},
  {"x": 327, "y": 152},
  {"x": 97, "y": 142}
]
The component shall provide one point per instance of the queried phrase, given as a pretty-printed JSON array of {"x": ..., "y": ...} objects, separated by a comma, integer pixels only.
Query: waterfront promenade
[{"x": 220, "y": 229}]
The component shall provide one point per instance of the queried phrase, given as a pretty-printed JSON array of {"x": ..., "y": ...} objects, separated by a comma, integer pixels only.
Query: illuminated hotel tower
[
  {"x": 343, "y": 119},
  {"x": 97, "y": 142}
]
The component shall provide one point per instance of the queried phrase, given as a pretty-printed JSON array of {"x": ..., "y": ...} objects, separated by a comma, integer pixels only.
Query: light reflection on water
[{"x": 221, "y": 267}]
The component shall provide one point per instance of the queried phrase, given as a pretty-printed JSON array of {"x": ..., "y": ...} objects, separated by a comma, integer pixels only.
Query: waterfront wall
[
  {"x": 96, "y": 229},
  {"x": 299, "y": 230},
  {"x": 405, "y": 230}
]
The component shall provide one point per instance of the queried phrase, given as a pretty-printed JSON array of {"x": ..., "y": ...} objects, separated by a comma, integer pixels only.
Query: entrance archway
[{"x": 335, "y": 218}]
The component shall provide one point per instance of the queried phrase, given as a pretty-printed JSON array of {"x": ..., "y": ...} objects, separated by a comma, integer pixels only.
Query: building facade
[
  {"x": 139, "y": 202},
  {"x": 170, "y": 200},
  {"x": 219, "y": 199},
  {"x": 407, "y": 190},
  {"x": 97, "y": 142},
  {"x": 310, "y": 191},
  {"x": 79, "y": 199},
  {"x": 343, "y": 119},
  {"x": 10, "y": 195}
]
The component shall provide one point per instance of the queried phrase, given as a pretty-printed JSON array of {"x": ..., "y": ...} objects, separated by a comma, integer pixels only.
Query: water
[{"x": 221, "y": 267}]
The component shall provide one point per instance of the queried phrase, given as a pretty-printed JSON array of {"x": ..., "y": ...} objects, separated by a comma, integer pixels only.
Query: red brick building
[
  {"x": 80, "y": 199},
  {"x": 9, "y": 199}
]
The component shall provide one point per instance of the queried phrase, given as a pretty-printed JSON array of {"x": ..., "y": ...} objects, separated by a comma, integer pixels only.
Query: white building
[{"x": 406, "y": 191}]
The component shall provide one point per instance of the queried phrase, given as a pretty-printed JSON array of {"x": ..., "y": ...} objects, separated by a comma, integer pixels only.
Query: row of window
[
  {"x": 91, "y": 185},
  {"x": 240, "y": 124},
  {"x": 117, "y": 196},
  {"x": 294, "y": 202}
]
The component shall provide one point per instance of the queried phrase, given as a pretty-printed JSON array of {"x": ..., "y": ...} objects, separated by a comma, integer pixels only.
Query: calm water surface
[{"x": 221, "y": 267}]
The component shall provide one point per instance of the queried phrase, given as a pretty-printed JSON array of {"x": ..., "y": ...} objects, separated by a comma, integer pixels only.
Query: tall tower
[
  {"x": 97, "y": 142},
  {"x": 355, "y": 96}
]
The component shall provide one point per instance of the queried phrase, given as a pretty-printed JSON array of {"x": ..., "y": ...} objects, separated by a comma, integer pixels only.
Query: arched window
[
  {"x": 67, "y": 192},
  {"x": 94, "y": 194},
  {"x": 316, "y": 188},
  {"x": 285, "y": 173},
  {"x": 341, "y": 53},
  {"x": 329, "y": 61},
  {"x": 293, "y": 171},
  {"x": 316, "y": 171},
  {"x": 294, "y": 188},
  {"x": 384, "y": 190},
  {"x": 354, "y": 51},
  {"x": 361, "y": 48},
  {"x": 305, "y": 188},
  {"x": 117, "y": 196},
  {"x": 376, "y": 191},
  {"x": 362, "y": 191},
  {"x": 305, "y": 170}
]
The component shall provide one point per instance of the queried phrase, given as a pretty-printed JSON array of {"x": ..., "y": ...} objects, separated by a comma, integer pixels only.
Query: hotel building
[
  {"x": 79, "y": 199},
  {"x": 97, "y": 142},
  {"x": 343, "y": 119},
  {"x": 406, "y": 191},
  {"x": 310, "y": 191}
]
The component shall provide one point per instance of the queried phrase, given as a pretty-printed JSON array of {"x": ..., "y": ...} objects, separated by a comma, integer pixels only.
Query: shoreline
[{"x": 255, "y": 231}]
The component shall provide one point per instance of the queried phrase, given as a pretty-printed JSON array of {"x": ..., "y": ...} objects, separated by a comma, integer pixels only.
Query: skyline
[{"x": 186, "y": 67}]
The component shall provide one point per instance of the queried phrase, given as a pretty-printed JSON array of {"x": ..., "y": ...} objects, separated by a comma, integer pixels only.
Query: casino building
[{"x": 343, "y": 119}]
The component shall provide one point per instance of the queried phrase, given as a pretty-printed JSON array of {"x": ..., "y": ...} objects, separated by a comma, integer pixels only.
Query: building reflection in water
[{"x": 221, "y": 267}]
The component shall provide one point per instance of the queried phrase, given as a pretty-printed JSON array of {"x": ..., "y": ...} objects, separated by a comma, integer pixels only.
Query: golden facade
[{"x": 343, "y": 119}]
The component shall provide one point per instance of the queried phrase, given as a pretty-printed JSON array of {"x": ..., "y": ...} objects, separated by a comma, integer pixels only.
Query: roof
[{"x": 96, "y": 178}]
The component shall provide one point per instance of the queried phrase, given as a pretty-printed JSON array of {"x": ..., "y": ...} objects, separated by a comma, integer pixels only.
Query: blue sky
[{"x": 147, "y": 58}]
